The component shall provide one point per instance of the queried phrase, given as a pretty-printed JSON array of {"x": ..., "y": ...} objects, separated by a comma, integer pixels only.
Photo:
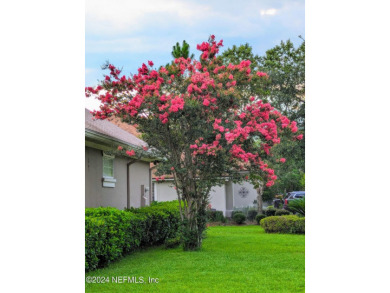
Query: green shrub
[
  {"x": 111, "y": 233},
  {"x": 109, "y": 237},
  {"x": 239, "y": 218},
  {"x": 284, "y": 224},
  {"x": 215, "y": 216},
  {"x": 258, "y": 218},
  {"x": 172, "y": 242},
  {"x": 162, "y": 221},
  {"x": 270, "y": 211},
  {"x": 281, "y": 212},
  {"x": 251, "y": 215},
  {"x": 235, "y": 212},
  {"x": 297, "y": 206},
  {"x": 299, "y": 226}
]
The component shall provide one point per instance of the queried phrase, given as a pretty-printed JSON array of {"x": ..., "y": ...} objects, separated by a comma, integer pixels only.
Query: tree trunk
[
  {"x": 194, "y": 223},
  {"x": 260, "y": 198}
]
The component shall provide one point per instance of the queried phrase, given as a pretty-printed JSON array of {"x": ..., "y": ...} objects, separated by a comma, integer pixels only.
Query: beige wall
[
  {"x": 238, "y": 201},
  {"x": 164, "y": 191},
  {"x": 96, "y": 195},
  {"x": 222, "y": 198},
  {"x": 139, "y": 175},
  {"x": 218, "y": 198}
]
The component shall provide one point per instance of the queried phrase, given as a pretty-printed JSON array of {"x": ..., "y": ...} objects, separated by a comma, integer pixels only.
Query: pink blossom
[
  {"x": 261, "y": 74},
  {"x": 130, "y": 153},
  {"x": 282, "y": 160}
]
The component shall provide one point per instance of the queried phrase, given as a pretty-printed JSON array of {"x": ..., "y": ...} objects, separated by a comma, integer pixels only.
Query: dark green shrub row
[
  {"x": 162, "y": 221},
  {"x": 239, "y": 218},
  {"x": 172, "y": 242},
  {"x": 111, "y": 233},
  {"x": 280, "y": 212},
  {"x": 258, "y": 218},
  {"x": 251, "y": 215},
  {"x": 270, "y": 211},
  {"x": 215, "y": 216},
  {"x": 284, "y": 224}
]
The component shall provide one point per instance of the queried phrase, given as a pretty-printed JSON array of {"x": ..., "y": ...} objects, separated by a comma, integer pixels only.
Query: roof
[
  {"x": 111, "y": 130},
  {"x": 127, "y": 127}
]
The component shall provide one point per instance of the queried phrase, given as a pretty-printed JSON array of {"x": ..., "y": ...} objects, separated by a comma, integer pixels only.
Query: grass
[{"x": 233, "y": 259}]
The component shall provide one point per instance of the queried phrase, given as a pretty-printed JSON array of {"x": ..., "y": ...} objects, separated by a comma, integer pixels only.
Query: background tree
[
  {"x": 285, "y": 66},
  {"x": 201, "y": 118},
  {"x": 183, "y": 51}
]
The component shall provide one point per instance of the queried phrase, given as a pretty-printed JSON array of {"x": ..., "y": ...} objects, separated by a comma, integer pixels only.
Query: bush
[
  {"x": 251, "y": 215},
  {"x": 110, "y": 233},
  {"x": 258, "y": 218},
  {"x": 172, "y": 242},
  {"x": 215, "y": 216},
  {"x": 284, "y": 224},
  {"x": 235, "y": 212},
  {"x": 297, "y": 206},
  {"x": 270, "y": 211},
  {"x": 282, "y": 213},
  {"x": 239, "y": 218},
  {"x": 162, "y": 221}
]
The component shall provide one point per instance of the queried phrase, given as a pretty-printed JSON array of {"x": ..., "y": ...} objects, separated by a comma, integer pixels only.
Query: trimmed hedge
[
  {"x": 270, "y": 211},
  {"x": 215, "y": 216},
  {"x": 110, "y": 233},
  {"x": 252, "y": 213},
  {"x": 280, "y": 212},
  {"x": 284, "y": 224},
  {"x": 258, "y": 218},
  {"x": 162, "y": 221},
  {"x": 239, "y": 218}
]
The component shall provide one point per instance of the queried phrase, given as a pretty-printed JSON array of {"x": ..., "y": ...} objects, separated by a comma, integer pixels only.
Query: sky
[{"x": 128, "y": 33}]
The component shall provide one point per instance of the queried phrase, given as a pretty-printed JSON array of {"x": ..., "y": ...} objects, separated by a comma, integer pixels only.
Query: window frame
[{"x": 108, "y": 181}]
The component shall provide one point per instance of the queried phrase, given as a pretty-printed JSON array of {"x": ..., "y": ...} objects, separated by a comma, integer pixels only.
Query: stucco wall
[
  {"x": 139, "y": 175},
  {"x": 96, "y": 195},
  {"x": 218, "y": 198},
  {"x": 164, "y": 191},
  {"x": 222, "y": 198},
  {"x": 238, "y": 201}
]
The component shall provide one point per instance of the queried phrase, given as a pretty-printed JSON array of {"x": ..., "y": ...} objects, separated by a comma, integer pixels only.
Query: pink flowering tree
[{"x": 205, "y": 123}]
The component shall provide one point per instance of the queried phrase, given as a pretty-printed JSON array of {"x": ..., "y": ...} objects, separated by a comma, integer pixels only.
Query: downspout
[
  {"x": 150, "y": 184},
  {"x": 128, "y": 181}
]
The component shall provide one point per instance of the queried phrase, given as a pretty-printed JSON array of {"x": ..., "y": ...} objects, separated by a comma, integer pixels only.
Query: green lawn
[{"x": 233, "y": 259}]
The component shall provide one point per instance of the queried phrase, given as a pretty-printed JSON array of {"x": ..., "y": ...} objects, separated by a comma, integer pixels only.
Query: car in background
[{"x": 291, "y": 196}]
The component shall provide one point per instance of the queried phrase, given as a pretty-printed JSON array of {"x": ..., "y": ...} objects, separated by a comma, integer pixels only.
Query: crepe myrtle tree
[{"x": 205, "y": 123}]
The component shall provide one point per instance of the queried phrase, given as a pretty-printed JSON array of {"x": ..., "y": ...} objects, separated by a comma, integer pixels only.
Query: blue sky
[{"x": 129, "y": 33}]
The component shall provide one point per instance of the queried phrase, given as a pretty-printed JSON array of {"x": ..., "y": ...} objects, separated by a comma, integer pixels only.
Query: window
[
  {"x": 108, "y": 171},
  {"x": 108, "y": 166}
]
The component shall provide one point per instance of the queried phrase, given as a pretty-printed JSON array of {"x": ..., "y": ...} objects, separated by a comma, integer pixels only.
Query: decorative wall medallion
[{"x": 243, "y": 192}]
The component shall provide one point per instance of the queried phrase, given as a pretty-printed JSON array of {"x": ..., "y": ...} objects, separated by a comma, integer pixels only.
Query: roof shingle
[{"x": 109, "y": 129}]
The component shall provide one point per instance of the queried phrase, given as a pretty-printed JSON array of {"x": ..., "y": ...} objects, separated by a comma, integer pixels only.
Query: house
[
  {"x": 225, "y": 198},
  {"x": 113, "y": 180}
]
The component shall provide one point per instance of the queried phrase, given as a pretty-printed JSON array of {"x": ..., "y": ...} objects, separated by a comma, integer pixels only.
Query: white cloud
[
  {"x": 133, "y": 44},
  {"x": 271, "y": 11},
  {"x": 118, "y": 16},
  {"x": 89, "y": 70}
]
